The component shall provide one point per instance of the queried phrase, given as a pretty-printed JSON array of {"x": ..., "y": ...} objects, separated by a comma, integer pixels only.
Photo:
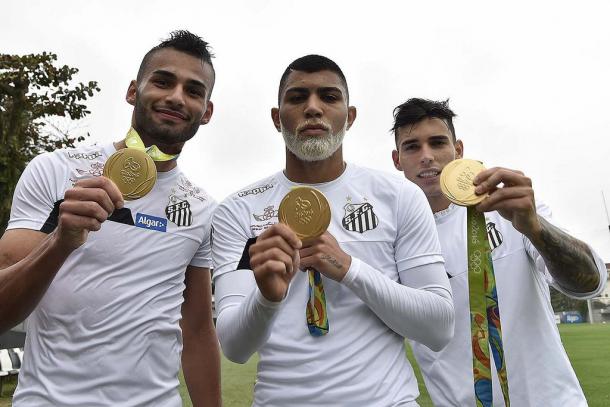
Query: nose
[
  {"x": 313, "y": 107},
  {"x": 175, "y": 96},
  {"x": 427, "y": 157}
]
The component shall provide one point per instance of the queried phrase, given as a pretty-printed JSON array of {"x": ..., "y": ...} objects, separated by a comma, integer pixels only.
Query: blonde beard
[{"x": 312, "y": 149}]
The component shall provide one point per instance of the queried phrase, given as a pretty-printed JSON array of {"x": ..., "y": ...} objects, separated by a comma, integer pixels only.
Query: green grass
[{"x": 588, "y": 347}]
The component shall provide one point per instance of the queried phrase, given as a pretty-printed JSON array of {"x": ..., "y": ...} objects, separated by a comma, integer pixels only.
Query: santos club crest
[
  {"x": 179, "y": 212},
  {"x": 359, "y": 217}
]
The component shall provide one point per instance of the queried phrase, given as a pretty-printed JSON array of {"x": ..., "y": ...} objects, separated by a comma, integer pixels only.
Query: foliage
[
  {"x": 32, "y": 90},
  {"x": 562, "y": 302}
]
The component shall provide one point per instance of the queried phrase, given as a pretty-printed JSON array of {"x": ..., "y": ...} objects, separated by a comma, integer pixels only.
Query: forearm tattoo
[
  {"x": 568, "y": 259},
  {"x": 332, "y": 261}
]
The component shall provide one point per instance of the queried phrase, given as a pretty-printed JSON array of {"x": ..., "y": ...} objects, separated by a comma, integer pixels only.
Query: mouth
[
  {"x": 429, "y": 173},
  {"x": 170, "y": 114},
  {"x": 313, "y": 129}
]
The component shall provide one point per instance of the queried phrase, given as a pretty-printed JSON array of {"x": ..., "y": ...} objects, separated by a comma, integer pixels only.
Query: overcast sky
[{"x": 530, "y": 82}]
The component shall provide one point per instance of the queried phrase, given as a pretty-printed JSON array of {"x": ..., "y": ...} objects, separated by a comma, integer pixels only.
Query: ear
[
  {"x": 351, "y": 116},
  {"x": 207, "y": 115},
  {"x": 130, "y": 97},
  {"x": 396, "y": 159},
  {"x": 275, "y": 116},
  {"x": 459, "y": 149}
]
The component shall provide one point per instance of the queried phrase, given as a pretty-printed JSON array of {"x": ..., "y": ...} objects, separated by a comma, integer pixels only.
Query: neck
[
  {"x": 162, "y": 166},
  {"x": 438, "y": 203},
  {"x": 314, "y": 172}
]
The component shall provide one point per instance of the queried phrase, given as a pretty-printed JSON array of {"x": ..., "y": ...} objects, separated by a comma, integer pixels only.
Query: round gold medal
[
  {"x": 306, "y": 211},
  {"x": 133, "y": 172},
  {"x": 457, "y": 179}
]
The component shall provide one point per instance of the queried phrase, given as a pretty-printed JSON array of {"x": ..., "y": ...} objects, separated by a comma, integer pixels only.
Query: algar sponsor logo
[{"x": 151, "y": 222}]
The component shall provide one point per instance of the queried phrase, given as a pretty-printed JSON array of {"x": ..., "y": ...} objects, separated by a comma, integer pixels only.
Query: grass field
[{"x": 588, "y": 347}]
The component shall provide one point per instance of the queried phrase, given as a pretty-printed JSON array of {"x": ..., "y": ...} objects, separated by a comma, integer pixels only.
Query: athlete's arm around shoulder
[
  {"x": 29, "y": 259},
  {"x": 570, "y": 261},
  {"x": 200, "y": 354}
]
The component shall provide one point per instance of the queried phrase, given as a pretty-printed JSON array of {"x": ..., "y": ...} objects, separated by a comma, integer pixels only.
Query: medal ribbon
[
  {"x": 484, "y": 313},
  {"x": 317, "y": 318},
  {"x": 133, "y": 140}
]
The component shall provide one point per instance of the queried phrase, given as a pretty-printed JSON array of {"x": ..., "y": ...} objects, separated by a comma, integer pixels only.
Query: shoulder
[
  {"x": 380, "y": 180},
  {"x": 253, "y": 192},
  {"x": 239, "y": 204}
]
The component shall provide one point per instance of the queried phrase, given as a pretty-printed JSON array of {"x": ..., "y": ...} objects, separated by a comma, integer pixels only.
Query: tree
[
  {"x": 562, "y": 302},
  {"x": 33, "y": 90}
]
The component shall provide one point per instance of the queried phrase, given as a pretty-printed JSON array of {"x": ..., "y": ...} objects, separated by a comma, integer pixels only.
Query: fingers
[
  {"x": 325, "y": 255},
  {"x": 104, "y": 184},
  {"x": 275, "y": 251},
  {"x": 273, "y": 260},
  {"x": 514, "y": 198},
  {"x": 488, "y": 180},
  {"x": 283, "y": 231},
  {"x": 279, "y": 242},
  {"x": 85, "y": 207},
  {"x": 88, "y": 209},
  {"x": 73, "y": 222}
]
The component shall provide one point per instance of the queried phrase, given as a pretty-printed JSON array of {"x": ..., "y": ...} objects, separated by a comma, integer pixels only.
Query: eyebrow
[
  {"x": 440, "y": 137},
  {"x": 324, "y": 89},
  {"x": 170, "y": 75}
]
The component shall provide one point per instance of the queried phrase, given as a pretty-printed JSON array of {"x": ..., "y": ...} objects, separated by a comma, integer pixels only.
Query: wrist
[
  {"x": 535, "y": 231},
  {"x": 59, "y": 245}
]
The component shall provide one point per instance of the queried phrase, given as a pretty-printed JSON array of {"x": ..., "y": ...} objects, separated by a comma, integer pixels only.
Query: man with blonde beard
[{"x": 374, "y": 277}]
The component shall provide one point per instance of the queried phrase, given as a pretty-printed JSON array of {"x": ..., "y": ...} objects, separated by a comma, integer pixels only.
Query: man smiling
[
  {"x": 528, "y": 254},
  {"x": 112, "y": 286},
  {"x": 374, "y": 277}
]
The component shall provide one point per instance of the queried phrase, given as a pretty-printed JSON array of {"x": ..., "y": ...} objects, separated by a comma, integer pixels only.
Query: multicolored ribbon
[
  {"x": 484, "y": 312},
  {"x": 133, "y": 140},
  {"x": 317, "y": 318}
]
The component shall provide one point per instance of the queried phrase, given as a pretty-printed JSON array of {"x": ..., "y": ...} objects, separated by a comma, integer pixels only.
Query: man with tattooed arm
[{"x": 528, "y": 253}]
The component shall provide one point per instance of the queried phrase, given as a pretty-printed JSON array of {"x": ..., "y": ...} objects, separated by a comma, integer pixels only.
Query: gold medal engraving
[
  {"x": 133, "y": 171},
  {"x": 306, "y": 211},
  {"x": 457, "y": 182}
]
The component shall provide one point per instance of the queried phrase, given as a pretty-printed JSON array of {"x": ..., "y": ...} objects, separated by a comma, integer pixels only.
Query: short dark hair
[
  {"x": 183, "y": 41},
  {"x": 310, "y": 64},
  {"x": 415, "y": 110}
]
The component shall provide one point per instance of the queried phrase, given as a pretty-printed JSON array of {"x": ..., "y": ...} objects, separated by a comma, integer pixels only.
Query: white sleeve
[
  {"x": 36, "y": 193},
  {"x": 244, "y": 316},
  {"x": 203, "y": 255},
  {"x": 416, "y": 241},
  {"x": 544, "y": 211},
  {"x": 419, "y": 306},
  {"x": 421, "y": 310}
]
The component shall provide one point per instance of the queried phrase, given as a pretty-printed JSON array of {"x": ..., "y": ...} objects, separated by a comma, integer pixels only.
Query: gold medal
[
  {"x": 133, "y": 171},
  {"x": 306, "y": 211},
  {"x": 457, "y": 179}
]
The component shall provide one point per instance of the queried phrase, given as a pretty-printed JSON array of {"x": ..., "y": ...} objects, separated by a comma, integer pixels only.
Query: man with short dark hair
[
  {"x": 114, "y": 285},
  {"x": 528, "y": 254},
  {"x": 328, "y": 314}
]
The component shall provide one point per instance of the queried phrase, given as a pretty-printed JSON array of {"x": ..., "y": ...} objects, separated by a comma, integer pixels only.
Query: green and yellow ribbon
[
  {"x": 485, "y": 324},
  {"x": 133, "y": 140}
]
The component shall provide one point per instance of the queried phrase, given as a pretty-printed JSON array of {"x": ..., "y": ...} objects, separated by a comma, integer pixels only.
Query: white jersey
[
  {"x": 376, "y": 218},
  {"x": 106, "y": 332},
  {"x": 539, "y": 372}
]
